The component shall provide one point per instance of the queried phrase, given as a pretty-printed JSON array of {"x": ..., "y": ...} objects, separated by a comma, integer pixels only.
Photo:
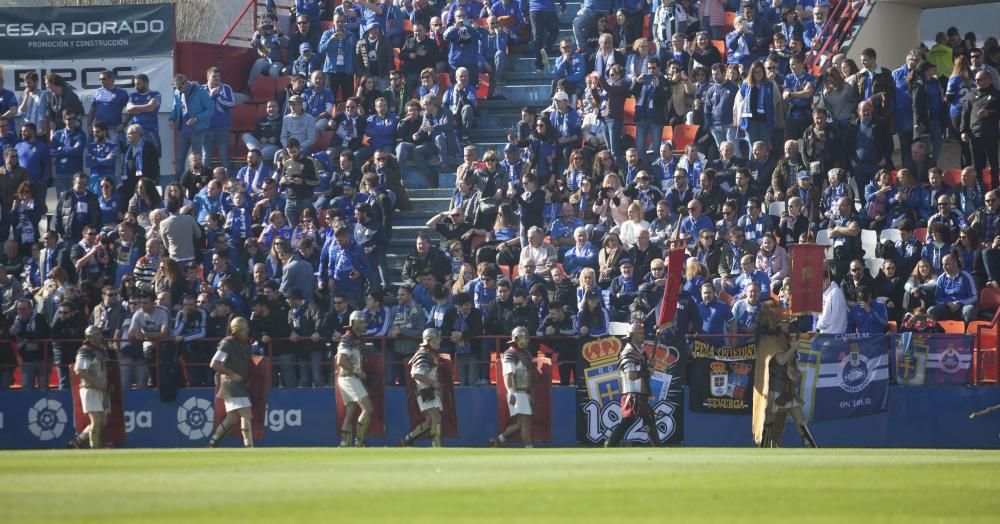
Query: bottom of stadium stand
[{"x": 917, "y": 417}]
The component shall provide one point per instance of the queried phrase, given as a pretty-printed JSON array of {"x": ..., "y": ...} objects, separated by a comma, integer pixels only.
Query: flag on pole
[
  {"x": 807, "y": 261},
  {"x": 672, "y": 290}
]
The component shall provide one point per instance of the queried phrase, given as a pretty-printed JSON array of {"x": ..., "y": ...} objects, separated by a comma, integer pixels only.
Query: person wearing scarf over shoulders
[{"x": 140, "y": 160}]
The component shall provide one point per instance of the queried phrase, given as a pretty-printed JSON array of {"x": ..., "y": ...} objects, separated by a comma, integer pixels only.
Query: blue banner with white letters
[{"x": 844, "y": 376}]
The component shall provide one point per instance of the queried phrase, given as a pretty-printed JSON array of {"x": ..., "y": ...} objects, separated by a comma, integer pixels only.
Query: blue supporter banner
[
  {"x": 844, "y": 376},
  {"x": 935, "y": 360}
]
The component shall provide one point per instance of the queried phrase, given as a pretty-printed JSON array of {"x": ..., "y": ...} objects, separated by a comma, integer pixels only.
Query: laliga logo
[
  {"x": 277, "y": 419},
  {"x": 138, "y": 419},
  {"x": 195, "y": 417},
  {"x": 47, "y": 419}
]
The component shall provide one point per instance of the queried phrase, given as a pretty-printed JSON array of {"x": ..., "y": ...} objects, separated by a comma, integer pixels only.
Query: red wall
[{"x": 193, "y": 58}]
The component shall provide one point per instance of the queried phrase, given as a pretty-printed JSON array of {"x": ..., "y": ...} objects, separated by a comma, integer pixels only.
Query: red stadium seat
[
  {"x": 920, "y": 233},
  {"x": 668, "y": 134},
  {"x": 988, "y": 178},
  {"x": 952, "y": 326},
  {"x": 721, "y": 46},
  {"x": 263, "y": 88},
  {"x": 952, "y": 177},
  {"x": 629, "y": 110},
  {"x": 281, "y": 84},
  {"x": 989, "y": 298},
  {"x": 646, "y": 25},
  {"x": 730, "y": 22},
  {"x": 407, "y": 26},
  {"x": 244, "y": 117},
  {"x": 395, "y": 58},
  {"x": 984, "y": 365},
  {"x": 483, "y": 91},
  {"x": 444, "y": 80},
  {"x": 683, "y": 135}
]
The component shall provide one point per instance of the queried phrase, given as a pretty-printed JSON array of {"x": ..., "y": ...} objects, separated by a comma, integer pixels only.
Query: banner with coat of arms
[
  {"x": 844, "y": 376},
  {"x": 599, "y": 391},
  {"x": 933, "y": 359},
  {"x": 721, "y": 378}
]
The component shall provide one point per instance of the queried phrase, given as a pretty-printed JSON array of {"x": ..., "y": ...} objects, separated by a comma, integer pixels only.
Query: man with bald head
[
  {"x": 981, "y": 122},
  {"x": 871, "y": 146},
  {"x": 845, "y": 233}
]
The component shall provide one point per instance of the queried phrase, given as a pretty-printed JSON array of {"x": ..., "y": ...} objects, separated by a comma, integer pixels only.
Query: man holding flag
[{"x": 634, "y": 376}]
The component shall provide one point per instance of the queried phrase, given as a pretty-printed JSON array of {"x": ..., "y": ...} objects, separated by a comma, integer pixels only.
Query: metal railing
[{"x": 564, "y": 360}]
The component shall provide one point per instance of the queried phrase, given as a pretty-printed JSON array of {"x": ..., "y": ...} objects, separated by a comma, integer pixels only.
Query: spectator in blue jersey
[
  {"x": 493, "y": 54},
  {"x": 347, "y": 268},
  {"x": 378, "y": 316},
  {"x": 337, "y": 46},
  {"x": 692, "y": 224},
  {"x": 716, "y": 316},
  {"x": 460, "y": 99},
  {"x": 902, "y": 110},
  {"x": 67, "y": 147},
  {"x": 108, "y": 105},
  {"x": 510, "y": 15},
  {"x": 746, "y": 310},
  {"x": 306, "y": 62},
  {"x": 351, "y": 12},
  {"x": 8, "y": 102},
  {"x": 189, "y": 330},
  {"x": 463, "y": 50},
  {"x": 737, "y": 287},
  {"x": 269, "y": 45},
  {"x": 7, "y": 137},
  {"x": 317, "y": 100},
  {"x": 592, "y": 321},
  {"x": 741, "y": 45},
  {"x": 143, "y": 108},
  {"x": 562, "y": 231},
  {"x": 102, "y": 156},
  {"x": 798, "y": 94},
  {"x": 867, "y": 316},
  {"x": 254, "y": 172},
  {"x": 956, "y": 293},
  {"x": 33, "y": 155},
  {"x": 190, "y": 117},
  {"x": 221, "y": 121},
  {"x": 380, "y": 129},
  {"x": 570, "y": 66},
  {"x": 756, "y": 105}
]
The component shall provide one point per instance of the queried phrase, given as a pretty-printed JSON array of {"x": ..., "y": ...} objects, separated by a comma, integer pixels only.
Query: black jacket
[
  {"x": 67, "y": 225},
  {"x": 975, "y": 125}
]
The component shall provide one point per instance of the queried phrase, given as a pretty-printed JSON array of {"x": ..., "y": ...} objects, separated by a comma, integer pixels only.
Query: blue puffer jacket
[
  {"x": 330, "y": 47},
  {"x": 381, "y": 131},
  {"x": 464, "y": 48},
  {"x": 199, "y": 106}
]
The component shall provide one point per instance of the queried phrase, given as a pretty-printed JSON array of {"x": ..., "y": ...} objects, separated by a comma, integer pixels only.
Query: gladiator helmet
[
  {"x": 94, "y": 336},
  {"x": 358, "y": 322},
  {"x": 240, "y": 328},
  {"x": 519, "y": 336},
  {"x": 432, "y": 337}
]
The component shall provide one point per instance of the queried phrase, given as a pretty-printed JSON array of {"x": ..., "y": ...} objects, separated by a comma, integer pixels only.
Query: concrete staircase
[{"x": 522, "y": 85}]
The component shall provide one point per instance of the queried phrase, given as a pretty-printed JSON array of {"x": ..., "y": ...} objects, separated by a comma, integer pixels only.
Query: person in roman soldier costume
[
  {"x": 634, "y": 377},
  {"x": 776, "y": 381},
  {"x": 518, "y": 377},
  {"x": 94, "y": 398},
  {"x": 424, "y": 371},
  {"x": 350, "y": 381},
  {"x": 231, "y": 364}
]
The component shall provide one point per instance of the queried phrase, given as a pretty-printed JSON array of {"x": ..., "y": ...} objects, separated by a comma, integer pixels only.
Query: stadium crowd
[{"x": 563, "y": 231}]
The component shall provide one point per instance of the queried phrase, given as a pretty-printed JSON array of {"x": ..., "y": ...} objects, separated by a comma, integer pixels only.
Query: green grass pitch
[{"x": 502, "y": 486}]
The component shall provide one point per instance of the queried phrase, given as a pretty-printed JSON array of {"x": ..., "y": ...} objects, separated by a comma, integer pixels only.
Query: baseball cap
[
  {"x": 561, "y": 95},
  {"x": 295, "y": 98},
  {"x": 304, "y": 46},
  {"x": 804, "y": 175},
  {"x": 510, "y": 148},
  {"x": 295, "y": 294}
]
